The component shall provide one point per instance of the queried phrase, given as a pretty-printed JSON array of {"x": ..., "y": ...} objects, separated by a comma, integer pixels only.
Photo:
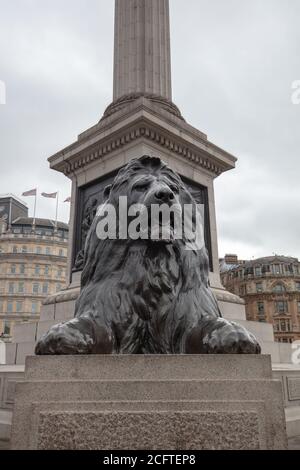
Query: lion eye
[{"x": 141, "y": 187}]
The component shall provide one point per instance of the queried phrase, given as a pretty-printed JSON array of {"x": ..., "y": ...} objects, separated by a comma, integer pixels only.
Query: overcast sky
[{"x": 234, "y": 63}]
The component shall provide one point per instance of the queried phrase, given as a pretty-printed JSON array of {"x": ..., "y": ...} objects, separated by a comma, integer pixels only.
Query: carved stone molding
[
  {"x": 125, "y": 100},
  {"x": 142, "y": 131}
]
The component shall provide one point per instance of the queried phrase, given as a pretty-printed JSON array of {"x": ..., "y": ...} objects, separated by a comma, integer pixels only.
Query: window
[
  {"x": 35, "y": 288},
  {"x": 22, "y": 268},
  {"x": 34, "y": 307},
  {"x": 259, "y": 287},
  {"x": 282, "y": 326},
  {"x": 47, "y": 270},
  {"x": 59, "y": 272},
  {"x": 260, "y": 308},
  {"x": 38, "y": 250},
  {"x": 21, "y": 288},
  {"x": 61, "y": 252},
  {"x": 6, "y": 328},
  {"x": 13, "y": 269},
  {"x": 279, "y": 289},
  {"x": 15, "y": 249},
  {"x": 45, "y": 288},
  {"x": 281, "y": 306},
  {"x": 1, "y": 306},
  {"x": 37, "y": 270},
  {"x": 258, "y": 271},
  {"x": 276, "y": 269},
  {"x": 298, "y": 286},
  {"x": 19, "y": 307},
  {"x": 10, "y": 307},
  {"x": 24, "y": 249},
  {"x": 48, "y": 251},
  {"x": 11, "y": 288}
]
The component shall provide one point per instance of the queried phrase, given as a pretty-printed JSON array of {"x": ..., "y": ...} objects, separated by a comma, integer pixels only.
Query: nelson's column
[{"x": 120, "y": 402}]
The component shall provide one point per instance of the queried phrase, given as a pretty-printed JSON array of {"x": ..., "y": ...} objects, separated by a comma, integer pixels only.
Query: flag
[
  {"x": 32, "y": 192},
  {"x": 68, "y": 199},
  {"x": 50, "y": 195}
]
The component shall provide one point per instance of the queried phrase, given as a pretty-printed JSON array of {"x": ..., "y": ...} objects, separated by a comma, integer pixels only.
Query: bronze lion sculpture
[{"x": 146, "y": 296}]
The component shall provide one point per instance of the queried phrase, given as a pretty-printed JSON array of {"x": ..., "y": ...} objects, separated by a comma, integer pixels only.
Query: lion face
[{"x": 157, "y": 193}]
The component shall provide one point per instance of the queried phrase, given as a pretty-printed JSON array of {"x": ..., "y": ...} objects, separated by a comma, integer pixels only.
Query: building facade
[
  {"x": 33, "y": 262},
  {"x": 271, "y": 289}
]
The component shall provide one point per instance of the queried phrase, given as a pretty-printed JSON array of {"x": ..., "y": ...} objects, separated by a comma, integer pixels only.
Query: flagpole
[
  {"x": 34, "y": 211},
  {"x": 56, "y": 215}
]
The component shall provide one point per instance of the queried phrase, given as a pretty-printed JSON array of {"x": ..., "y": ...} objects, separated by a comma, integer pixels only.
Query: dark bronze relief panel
[{"x": 89, "y": 197}]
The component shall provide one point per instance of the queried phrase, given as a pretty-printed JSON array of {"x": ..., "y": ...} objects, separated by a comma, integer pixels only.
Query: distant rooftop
[
  {"x": 28, "y": 221},
  {"x": 231, "y": 262},
  {"x": 12, "y": 196}
]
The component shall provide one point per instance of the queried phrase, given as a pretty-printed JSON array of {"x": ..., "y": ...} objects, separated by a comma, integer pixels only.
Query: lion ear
[{"x": 107, "y": 190}]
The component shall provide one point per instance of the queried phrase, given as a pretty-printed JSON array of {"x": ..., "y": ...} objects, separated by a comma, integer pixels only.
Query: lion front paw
[
  {"x": 219, "y": 336},
  {"x": 230, "y": 338},
  {"x": 64, "y": 339}
]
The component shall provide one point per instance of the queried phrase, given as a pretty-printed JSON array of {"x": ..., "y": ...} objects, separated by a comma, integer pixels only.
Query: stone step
[
  {"x": 137, "y": 367},
  {"x": 5, "y": 424},
  {"x": 293, "y": 421},
  {"x": 134, "y": 390}
]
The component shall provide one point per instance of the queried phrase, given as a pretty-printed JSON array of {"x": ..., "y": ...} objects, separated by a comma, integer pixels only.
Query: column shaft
[{"x": 142, "y": 62}]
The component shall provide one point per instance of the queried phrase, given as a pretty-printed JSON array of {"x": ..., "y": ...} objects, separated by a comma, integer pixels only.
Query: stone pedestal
[{"x": 149, "y": 402}]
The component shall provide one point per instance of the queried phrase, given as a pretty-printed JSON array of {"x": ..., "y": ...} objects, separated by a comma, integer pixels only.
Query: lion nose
[{"x": 164, "y": 195}]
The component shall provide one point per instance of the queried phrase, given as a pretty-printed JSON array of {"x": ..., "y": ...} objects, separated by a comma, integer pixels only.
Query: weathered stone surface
[
  {"x": 25, "y": 332},
  {"x": 5, "y": 425},
  {"x": 147, "y": 367},
  {"x": 64, "y": 311},
  {"x": 294, "y": 388},
  {"x": 138, "y": 402},
  {"x": 11, "y": 353},
  {"x": 24, "y": 350},
  {"x": 289, "y": 375},
  {"x": 47, "y": 312},
  {"x": 181, "y": 431}
]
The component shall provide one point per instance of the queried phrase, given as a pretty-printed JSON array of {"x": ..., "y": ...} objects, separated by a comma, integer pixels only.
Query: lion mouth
[{"x": 160, "y": 232}]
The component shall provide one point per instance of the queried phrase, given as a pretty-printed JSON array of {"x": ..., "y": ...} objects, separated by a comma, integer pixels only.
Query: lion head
[
  {"x": 157, "y": 194},
  {"x": 145, "y": 183}
]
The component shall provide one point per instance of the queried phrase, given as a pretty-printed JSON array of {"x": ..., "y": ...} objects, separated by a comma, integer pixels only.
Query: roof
[
  {"x": 12, "y": 196},
  {"x": 272, "y": 259},
  {"x": 48, "y": 223},
  {"x": 259, "y": 261}
]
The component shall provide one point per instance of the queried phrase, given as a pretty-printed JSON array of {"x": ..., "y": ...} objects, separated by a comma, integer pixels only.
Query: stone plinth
[{"x": 149, "y": 402}]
